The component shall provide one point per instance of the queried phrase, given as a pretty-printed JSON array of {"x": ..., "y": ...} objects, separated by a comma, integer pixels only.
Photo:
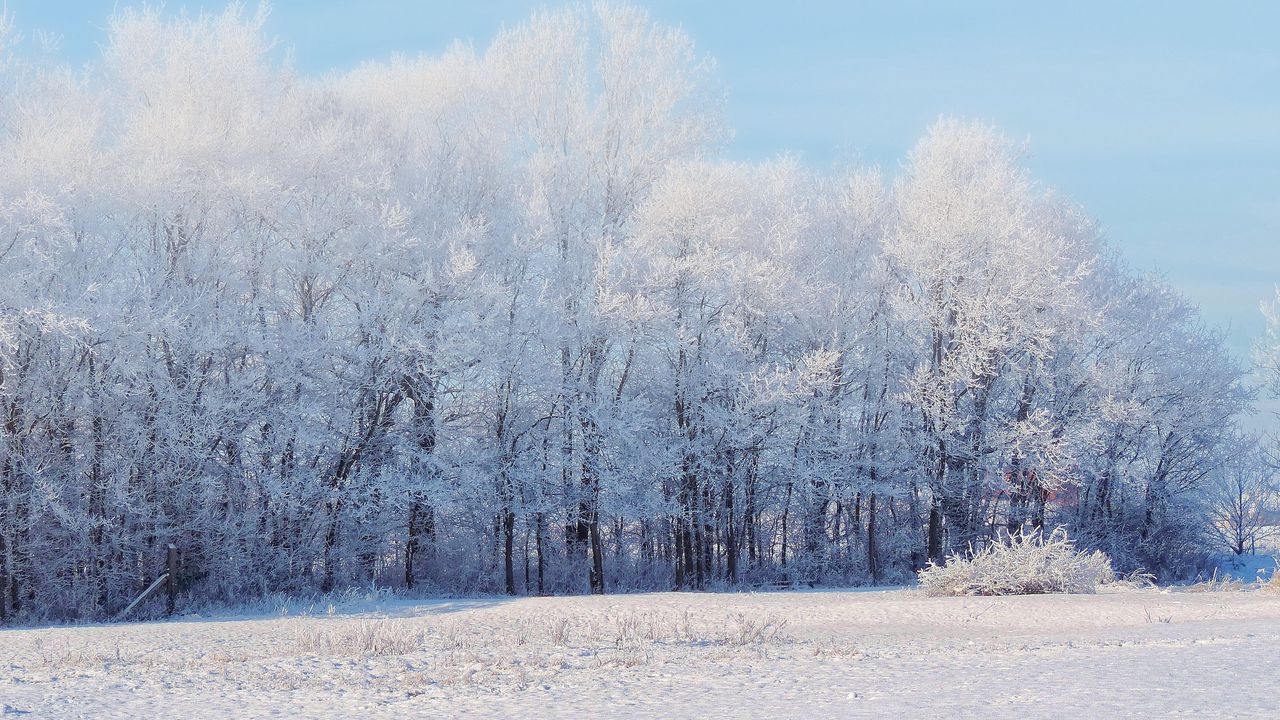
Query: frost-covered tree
[
  {"x": 988, "y": 268},
  {"x": 1269, "y": 347},
  {"x": 1243, "y": 499}
]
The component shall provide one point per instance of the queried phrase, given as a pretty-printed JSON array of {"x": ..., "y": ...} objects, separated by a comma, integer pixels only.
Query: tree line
[{"x": 507, "y": 321}]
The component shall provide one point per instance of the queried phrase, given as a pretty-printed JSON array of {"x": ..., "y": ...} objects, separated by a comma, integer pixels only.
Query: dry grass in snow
[{"x": 1130, "y": 653}]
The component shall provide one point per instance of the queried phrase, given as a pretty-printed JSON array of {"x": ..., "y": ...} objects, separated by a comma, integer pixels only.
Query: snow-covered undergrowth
[
  {"x": 1024, "y": 564},
  {"x": 1248, "y": 568},
  {"x": 340, "y": 600},
  {"x": 1237, "y": 573}
]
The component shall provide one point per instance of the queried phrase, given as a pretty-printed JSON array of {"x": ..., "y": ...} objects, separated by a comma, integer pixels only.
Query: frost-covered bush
[{"x": 1027, "y": 564}]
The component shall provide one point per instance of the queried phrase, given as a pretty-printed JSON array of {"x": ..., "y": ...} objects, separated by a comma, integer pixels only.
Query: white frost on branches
[{"x": 506, "y": 319}]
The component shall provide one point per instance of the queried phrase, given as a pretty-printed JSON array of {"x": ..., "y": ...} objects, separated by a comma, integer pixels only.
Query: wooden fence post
[{"x": 172, "y": 562}]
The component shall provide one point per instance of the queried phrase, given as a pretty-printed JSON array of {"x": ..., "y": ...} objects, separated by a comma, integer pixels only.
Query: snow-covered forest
[{"x": 506, "y": 319}]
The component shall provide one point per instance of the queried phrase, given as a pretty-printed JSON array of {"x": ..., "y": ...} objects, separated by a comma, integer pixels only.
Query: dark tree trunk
[
  {"x": 934, "y": 543},
  {"x": 730, "y": 530},
  {"x": 508, "y": 548},
  {"x": 411, "y": 544},
  {"x": 538, "y": 532},
  {"x": 873, "y": 562}
]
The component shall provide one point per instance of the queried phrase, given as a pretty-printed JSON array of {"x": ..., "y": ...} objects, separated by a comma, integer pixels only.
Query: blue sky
[{"x": 1162, "y": 119}]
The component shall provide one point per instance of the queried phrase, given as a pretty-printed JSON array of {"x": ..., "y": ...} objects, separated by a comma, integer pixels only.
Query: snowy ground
[{"x": 777, "y": 655}]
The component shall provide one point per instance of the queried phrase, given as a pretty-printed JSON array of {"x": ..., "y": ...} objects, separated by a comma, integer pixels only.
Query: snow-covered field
[{"x": 888, "y": 653}]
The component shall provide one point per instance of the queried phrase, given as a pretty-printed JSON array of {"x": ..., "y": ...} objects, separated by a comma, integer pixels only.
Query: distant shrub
[{"x": 1024, "y": 564}]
